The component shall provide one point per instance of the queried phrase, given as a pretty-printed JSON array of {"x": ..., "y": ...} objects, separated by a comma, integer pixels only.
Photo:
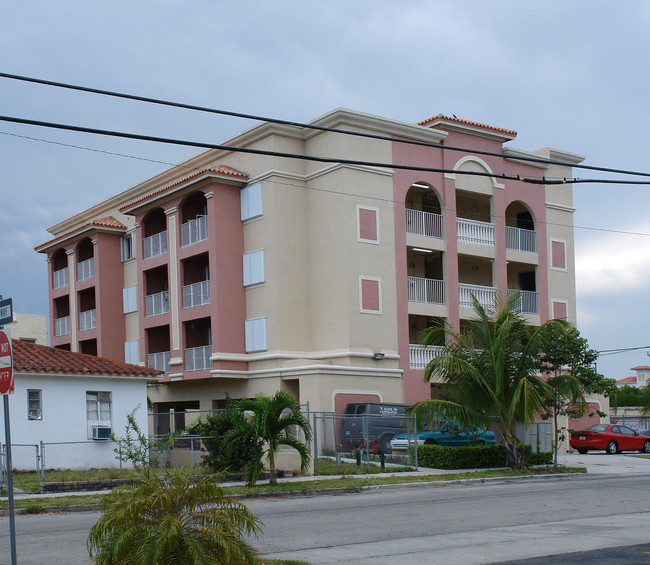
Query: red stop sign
[{"x": 6, "y": 364}]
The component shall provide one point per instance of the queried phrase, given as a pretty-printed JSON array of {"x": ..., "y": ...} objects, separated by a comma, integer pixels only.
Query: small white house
[{"x": 65, "y": 405}]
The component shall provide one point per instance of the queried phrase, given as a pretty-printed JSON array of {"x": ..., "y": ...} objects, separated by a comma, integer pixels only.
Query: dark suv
[{"x": 370, "y": 421}]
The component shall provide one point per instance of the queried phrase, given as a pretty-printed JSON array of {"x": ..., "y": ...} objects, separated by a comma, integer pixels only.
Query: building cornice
[{"x": 509, "y": 152}]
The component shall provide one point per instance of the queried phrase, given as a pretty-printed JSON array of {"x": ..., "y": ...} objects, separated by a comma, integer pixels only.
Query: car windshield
[{"x": 598, "y": 427}]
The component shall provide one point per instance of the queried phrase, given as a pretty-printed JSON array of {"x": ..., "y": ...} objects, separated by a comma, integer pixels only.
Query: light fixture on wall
[{"x": 378, "y": 356}]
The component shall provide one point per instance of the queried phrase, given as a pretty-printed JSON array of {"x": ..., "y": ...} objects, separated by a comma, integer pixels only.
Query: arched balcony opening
[
  {"x": 194, "y": 226},
  {"x": 85, "y": 260},
  {"x": 155, "y": 233},
  {"x": 60, "y": 275},
  {"x": 423, "y": 211},
  {"x": 520, "y": 228}
]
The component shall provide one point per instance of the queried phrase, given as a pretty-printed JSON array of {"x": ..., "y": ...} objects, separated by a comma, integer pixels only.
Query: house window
[
  {"x": 255, "y": 330},
  {"x": 367, "y": 224},
  {"x": 251, "y": 201},
  {"x": 132, "y": 351},
  {"x": 370, "y": 295},
  {"x": 558, "y": 255},
  {"x": 130, "y": 299},
  {"x": 254, "y": 267},
  {"x": 98, "y": 410},
  {"x": 34, "y": 404},
  {"x": 128, "y": 248}
]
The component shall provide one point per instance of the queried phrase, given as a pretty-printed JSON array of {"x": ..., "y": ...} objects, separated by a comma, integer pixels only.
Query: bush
[
  {"x": 225, "y": 447},
  {"x": 472, "y": 457}
]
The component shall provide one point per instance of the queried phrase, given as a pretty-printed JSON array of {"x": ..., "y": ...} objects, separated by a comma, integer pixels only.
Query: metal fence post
[
  {"x": 315, "y": 436},
  {"x": 415, "y": 432},
  {"x": 42, "y": 460},
  {"x": 119, "y": 451}
]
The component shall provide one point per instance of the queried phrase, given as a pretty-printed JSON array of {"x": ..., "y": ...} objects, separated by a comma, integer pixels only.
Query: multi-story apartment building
[{"x": 239, "y": 273}]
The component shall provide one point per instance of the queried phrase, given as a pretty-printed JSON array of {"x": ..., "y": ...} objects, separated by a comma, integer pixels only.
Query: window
[
  {"x": 558, "y": 255},
  {"x": 255, "y": 330},
  {"x": 367, "y": 224},
  {"x": 560, "y": 309},
  {"x": 254, "y": 267},
  {"x": 370, "y": 295},
  {"x": 130, "y": 299},
  {"x": 98, "y": 410},
  {"x": 251, "y": 201},
  {"x": 132, "y": 351},
  {"x": 128, "y": 247},
  {"x": 34, "y": 404}
]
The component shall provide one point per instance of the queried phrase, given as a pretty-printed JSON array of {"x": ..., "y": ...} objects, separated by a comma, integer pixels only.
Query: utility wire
[{"x": 312, "y": 126}]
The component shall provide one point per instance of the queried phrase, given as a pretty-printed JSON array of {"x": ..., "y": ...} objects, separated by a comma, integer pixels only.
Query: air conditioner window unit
[{"x": 101, "y": 432}]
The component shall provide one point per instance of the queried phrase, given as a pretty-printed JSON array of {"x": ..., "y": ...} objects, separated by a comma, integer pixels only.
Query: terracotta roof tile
[
  {"x": 441, "y": 117},
  {"x": 640, "y": 368},
  {"x": 627, "y": 380},
  {"x": 108, "y": 222},
  {"x": 220, "y": 170},
  {"x": 34, "y": 358}
]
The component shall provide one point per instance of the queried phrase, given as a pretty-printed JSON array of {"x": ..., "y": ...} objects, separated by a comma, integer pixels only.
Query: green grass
[{"x": 328, "y": 466}]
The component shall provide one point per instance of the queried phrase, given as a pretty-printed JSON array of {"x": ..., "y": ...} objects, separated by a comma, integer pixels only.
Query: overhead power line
[{"x": 313, "y": 126}]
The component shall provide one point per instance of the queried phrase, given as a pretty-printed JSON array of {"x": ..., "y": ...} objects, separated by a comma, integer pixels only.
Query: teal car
[{"x": 448, "y": 433}]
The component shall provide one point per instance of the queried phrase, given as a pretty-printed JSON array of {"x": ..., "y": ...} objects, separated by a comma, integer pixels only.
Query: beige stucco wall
[{"x": 29, "y": 327}]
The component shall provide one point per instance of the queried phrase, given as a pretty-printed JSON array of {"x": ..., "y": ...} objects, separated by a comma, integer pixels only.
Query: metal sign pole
[{"x": 10, "y": 483}]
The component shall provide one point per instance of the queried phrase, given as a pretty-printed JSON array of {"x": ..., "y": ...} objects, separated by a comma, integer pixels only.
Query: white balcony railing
[
  {"x": 60, "y": 278},
  {"x": 527, "y": 301},
  {"x": 520, "y": 239},
  {"x": 159, "y": 361},
  {"x": 426, "y": 291},
  {"x": 156, "y": 304},
  {"x": 420, "y": 355},
  {"x": 62, "y": 326},
  {"x": 87, "y": 320},
  {"x": 423, "y": 223},
  {"x": 196, "y": 294},
  {"x": 86, "y": 269},
  {"x": 194, "y": 230},
  {"x": 155, "y": 244},
  {"x": 486, "y": 295},
  {"x": 198, "y": 358},
  {"x": 476, "y": 233}
]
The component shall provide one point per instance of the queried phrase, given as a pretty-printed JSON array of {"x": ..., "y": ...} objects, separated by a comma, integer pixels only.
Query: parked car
[
  {"x": 612, "y": 438},
  {"x": 369, "y": 421},
  {"x": 645, "y": 432},
  {"x": 448, "y": 433}
]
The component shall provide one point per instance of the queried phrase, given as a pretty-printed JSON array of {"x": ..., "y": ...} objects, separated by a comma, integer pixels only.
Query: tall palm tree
[
  {"x": 273, "y": 420},
  {"x": 172, "y": 520},
  {"x": 493, "y": 370}
]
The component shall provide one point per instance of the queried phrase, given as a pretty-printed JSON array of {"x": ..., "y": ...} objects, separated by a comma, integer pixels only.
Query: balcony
[
  {"x": 486, "y": 295},
  {"x": 86, "y": 269},
  {"x": 196, "y": 294},
  {"x": 159, "y": 361},
  {"x": 60, "y": 278},
  {"x": 194, "y": 231},
  {"x": 62, "y": 326},
  {"x": 198, "y": 358},
  {"x": 521, "y": 240},
  {"x": 87, "y": 320},
  {"x": 423, "y": 223},
  {"x": 526, "y": 303},
  {"x": 475, "y": 233},
  {"x": 156, "y": 304},
  {"x": 155, "y": 245},
  {"x": 420, "y": 355},
  {"x": 426, "y": 291}
]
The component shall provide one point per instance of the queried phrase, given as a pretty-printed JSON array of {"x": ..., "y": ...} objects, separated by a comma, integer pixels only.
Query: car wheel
[
  {"x": 646, "y": 446},
  {"x": 612, "y": 448},
  {"x": 582, "y": 451},
  {"x": 430, "y": 442}
]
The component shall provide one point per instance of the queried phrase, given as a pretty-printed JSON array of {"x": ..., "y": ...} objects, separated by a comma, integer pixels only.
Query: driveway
[{"x": 600, "y": 463}]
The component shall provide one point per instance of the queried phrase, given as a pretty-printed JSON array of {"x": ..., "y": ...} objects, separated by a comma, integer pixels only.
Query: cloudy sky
[{"x": 571, "y": 75}]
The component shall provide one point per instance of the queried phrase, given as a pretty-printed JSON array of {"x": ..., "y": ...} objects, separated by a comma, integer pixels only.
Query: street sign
[
  {"x": 6, "y": 363},
  {"x": 6, "y": 311}
]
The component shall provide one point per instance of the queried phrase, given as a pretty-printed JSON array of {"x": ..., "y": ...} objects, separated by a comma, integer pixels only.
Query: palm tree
[
  {"x": 493, "y": 371},
  {"x": 273, "y": 420},
  {"x": 172, "y": 520}
]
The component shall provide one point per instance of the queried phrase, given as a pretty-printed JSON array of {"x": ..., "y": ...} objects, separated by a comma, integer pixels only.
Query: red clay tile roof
[
  {"x": 109, "y": 222},
  {"x": 627, "y": 380},
  {"x": 640, "y": 368},
  {"x": 220, "y": 170},
  {"x": 441, "y": 117},
  {"x": 34, "y": 358}
]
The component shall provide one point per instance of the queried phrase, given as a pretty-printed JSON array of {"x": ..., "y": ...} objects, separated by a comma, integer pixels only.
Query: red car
[{"x": 612, "y": 438}]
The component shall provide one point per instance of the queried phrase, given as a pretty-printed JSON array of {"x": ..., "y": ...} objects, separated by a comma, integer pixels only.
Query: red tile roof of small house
[
  {"x": 626, "y": 380},
  {"x": 640, "y": 368},
  {"x": 441, "y": 118},
  {"x": 101, "y": 224},
  {"x": 34, "y": 358}
]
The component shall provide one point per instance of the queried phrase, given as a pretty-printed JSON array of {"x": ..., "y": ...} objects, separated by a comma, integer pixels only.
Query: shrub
[{"x": 472, "y": 457}]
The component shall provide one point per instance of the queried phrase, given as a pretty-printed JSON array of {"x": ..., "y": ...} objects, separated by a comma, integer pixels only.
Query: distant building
[
  {"x": 639, "y": 380},
  {"x": 29, "y": 327},
  {"x": 237, "y": 273}
]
